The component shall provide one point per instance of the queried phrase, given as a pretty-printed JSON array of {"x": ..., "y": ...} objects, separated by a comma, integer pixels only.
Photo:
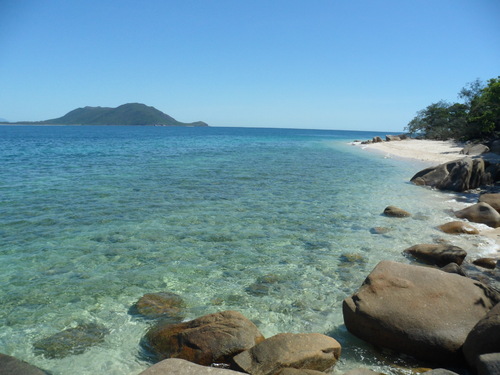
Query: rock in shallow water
[
  {"x": 437, "y": 254},
  {"x": 480, "y": 213},
  {"x": 458, "y": 227},
  {"x": 71, "y": 341},
  {"x": 175, "y": 366},
  {"x": 420, "y": 311},
  {"x": 162, "y": 304},
  {"x": 13, "y": 366}
]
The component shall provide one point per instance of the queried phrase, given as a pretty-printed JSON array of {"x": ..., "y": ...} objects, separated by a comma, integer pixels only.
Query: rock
[
  {"x": 437, "y": 254},
  {"x": 480, "y": 213},
  {"x": 368, "y": 142},
  {"x": 213, "y": 338},
  {"x": 458, "y": 175},
  {"x": 488, "y": 364},
  {"x": 458, "y": 227},
  {"x": 484, "y": 337},
  {"x": 454, "y": 268},
  {"x": 377, "y": 139},
  {"x": 492, "y": 199},
  {"x": 394, "y": 211},
  {"x": 71, "y": 341},
  {"x": 495, "y": 146},
  {"x": 389, "y": 138},
  {"x": 492, "y": 173},
  {"x": 489, "y": 263},
  {"x": 163, "y": 304},
  {"x": 263, "y": 285},
  {"x": 13, "y": 366},
  {"x": 380, "y": 230},
  {"x": 175, "y": 366},
  {"x": 311, "y": 351},
  {"x": 440, "y": 371},
  {"x": 472, "y": 149},
  {"x": 420, "y": 311}
]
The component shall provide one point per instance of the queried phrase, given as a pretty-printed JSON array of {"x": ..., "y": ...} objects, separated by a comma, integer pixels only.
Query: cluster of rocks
[{"x": 388, "y": 138}]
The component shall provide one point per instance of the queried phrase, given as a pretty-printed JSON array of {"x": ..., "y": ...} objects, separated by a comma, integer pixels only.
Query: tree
[
  {"x": 483, "y": 119},
  {"x": 440, "y": 120}
]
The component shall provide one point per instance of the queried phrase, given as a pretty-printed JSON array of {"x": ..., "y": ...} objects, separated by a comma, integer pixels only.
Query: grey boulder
[
  {"x": 420, "y": 311},
  {"x": 12, "y": 366}
]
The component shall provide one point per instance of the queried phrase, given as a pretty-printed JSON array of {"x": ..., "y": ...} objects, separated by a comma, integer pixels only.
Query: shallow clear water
[{"x": 92, "y": 218}]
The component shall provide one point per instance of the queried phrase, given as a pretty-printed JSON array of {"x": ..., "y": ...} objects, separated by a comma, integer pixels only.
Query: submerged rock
[
  {"x": 163, "y": 304},
  {"x": 71, "y": 341},
  {"x": 311, "y": 351},
  {"x": 394, "y": 211},
  {"x": 213, "y": 338},
  {"x": 437, "y": 254},
  {"x": 175, "y": 366},
  {"x": 420, "y": 311},
  {"x": 380, "y": 230}
]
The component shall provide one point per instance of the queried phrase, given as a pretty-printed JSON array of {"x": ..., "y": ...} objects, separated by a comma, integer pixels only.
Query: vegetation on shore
[{"x": 476, "y": 118}]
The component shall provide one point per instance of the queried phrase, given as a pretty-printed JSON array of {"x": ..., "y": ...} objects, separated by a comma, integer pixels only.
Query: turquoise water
[{"x": 92, "y": 218}]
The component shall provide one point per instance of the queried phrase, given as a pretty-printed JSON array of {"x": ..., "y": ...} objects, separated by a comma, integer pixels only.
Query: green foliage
[{"x": 477, "y": 118}]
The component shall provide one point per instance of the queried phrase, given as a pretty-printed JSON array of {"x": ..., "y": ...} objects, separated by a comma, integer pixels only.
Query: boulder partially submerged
[
  {"x": 480, "y": 213},
  {"x": 458, "y": 227},
  {"x": 437, "y": 254},
  {"x": 420, "y": 311}
]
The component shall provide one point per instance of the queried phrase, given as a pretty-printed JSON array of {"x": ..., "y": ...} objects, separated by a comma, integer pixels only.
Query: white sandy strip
[{"x": 432, "y": 152}]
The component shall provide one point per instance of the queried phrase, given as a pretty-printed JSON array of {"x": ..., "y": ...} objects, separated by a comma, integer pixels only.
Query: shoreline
[{"x": 432, "y": 153}]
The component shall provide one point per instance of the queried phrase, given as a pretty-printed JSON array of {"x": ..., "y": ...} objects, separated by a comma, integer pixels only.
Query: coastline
[{"x": 432, "y": 153}]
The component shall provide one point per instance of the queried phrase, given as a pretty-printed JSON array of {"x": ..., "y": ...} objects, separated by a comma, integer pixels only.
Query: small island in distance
[{"x": 126, "y": 114}]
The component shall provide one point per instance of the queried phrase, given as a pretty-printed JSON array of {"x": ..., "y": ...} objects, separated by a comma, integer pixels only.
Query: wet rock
[
  {"x": 71, "y": 341},
  {"x": 13, "y": 366},
  {"x": 163, "y": 304},
  {"x": 440, "y": 371},
  {"x": 420, "y": 311},
  {"x": 312, "y": 351},
  {"x": 394, "y": 211},
  {"x": 262, "y": 285},
  {"x": 294, "y": 371},
  {"x": 213, "y": 338},
  {"x": 488, "y": 364},
  {"x": 458, "y": 227},
  {"x": 437, "y": 254},
  {"x": 480, "y": 213},
  {"x": 175, "y": 366},
  {"x": 492, "y": 199},
  {"x": 454, "y": 268},
  {"x": 484, "y": 337},
  {"x": 351, "y": 259},
  {"x": 489, "y": 263},
  {"x": 473, "y": 149}
]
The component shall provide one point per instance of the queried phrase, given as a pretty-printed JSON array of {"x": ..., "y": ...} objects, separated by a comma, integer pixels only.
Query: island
[{"x": 126, "y": 114}]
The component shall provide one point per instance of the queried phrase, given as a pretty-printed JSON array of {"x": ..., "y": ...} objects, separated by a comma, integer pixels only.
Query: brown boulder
[
  {"x": 484, "y": 337},
  {"x": 492, "y": 199},
  {"x": 175, "y": 366},
  {"x": 295, "y": 371},
  {"x": 489, "y": 263},
  {"x": 389, "y": 138},
  {"x": 475, "y": 149},
  {"x": 458, "y": 227},
  {"x": 13, "y": 366},
  {"x": 437, "y": 254},
  {"x": 311, "y": 351},
  {"x": 480, "y": 213},
  {"x": 420, "y": 311},
  {"x": 162, "y": 304},
  {"x": 213, "y": 338},
  {"x": 394, "y": 211}
]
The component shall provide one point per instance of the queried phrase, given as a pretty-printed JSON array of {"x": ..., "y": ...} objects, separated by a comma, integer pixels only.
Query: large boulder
[
  {"x": 71, "y": 341},
  {"x": 311, "y": 351},
  {"x": 389, "y": 138},
  {"x": 488, "y": 364},
  {"x": 13, "y": 366},
  {"x": 458, "y": 175},
  {"x": 475, "y": 149},
  {"x": 458, "y": 227},
  {"x": 480, "y": 213},
  {"x": 214, "y": 338},
  {"x": 492, "y": 199},
  {"x": 420, "y": 311},
  {"x": 484, "y": 337},
  {"x": 377, "y": 139},
  {"x": 394, "y": 211},
  {"x": 437, "y": 254},
  {"x": 175, "y": 366}
]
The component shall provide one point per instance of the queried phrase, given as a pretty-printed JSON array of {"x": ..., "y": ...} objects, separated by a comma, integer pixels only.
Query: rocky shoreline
[{"x": 442, "y": 309}]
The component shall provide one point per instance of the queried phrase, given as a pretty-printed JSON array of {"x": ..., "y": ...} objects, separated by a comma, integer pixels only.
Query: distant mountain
[{"x": 126, "y": 114}]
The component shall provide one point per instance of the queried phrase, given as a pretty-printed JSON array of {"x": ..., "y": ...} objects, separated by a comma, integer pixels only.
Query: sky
[{"x": 313, "y": 64}]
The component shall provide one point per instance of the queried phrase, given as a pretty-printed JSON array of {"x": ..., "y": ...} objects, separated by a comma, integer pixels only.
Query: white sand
[{"x": 432, "y": 152}]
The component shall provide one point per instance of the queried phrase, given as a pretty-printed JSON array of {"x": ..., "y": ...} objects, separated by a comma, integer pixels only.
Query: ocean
[{"x": 274, "y": 223}]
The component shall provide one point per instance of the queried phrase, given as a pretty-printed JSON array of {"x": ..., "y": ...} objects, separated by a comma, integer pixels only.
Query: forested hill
[{"x": 126, "y": 114}]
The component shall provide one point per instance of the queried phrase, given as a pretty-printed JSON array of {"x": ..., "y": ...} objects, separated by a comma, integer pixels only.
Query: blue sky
[{"x": 358, "y": 64}]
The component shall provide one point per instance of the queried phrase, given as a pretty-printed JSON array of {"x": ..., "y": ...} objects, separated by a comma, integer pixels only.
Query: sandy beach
[{"x": 432, "y": 153}]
